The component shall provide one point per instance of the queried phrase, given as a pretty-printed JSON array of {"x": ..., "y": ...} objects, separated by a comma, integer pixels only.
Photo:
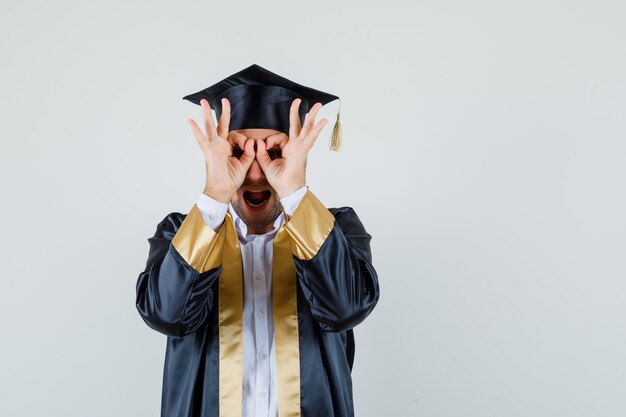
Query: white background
[{"x": 483, "y": 150}]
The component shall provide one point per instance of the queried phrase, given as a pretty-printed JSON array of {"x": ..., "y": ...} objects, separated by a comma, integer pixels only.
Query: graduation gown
[{"x": 324, "y": 284}]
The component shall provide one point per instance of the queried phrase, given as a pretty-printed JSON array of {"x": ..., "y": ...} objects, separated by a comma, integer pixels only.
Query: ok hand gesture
[
  {"x": 288, "y": 173},
  {"x": 224, "y": 172}
]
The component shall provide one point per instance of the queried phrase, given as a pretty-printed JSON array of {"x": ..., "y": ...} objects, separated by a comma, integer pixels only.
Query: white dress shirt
[{"x": 259, "y": 355}]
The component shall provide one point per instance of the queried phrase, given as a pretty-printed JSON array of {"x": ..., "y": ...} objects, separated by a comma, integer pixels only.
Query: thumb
[{"x": 248, "y": 155}]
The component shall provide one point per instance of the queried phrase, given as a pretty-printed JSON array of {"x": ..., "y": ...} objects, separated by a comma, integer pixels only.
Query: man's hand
[
  {"x": 288, "y": 173},
  {"x": 224, "y": 172}
]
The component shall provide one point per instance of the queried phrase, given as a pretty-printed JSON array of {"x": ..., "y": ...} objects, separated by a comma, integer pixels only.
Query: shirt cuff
[
  {"x": 291, "y": 202},
  {"x": 213, "y": 212}
]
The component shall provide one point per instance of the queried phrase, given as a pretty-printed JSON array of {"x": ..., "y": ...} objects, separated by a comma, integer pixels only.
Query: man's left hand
[{"x": 288, "y": 173}]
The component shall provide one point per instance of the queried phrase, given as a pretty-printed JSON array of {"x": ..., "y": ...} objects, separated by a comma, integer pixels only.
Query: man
[{"x": 259, "y": 286}]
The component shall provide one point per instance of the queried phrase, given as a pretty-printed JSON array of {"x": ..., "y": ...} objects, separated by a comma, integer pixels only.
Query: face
[{"x": 256, "y": 202}]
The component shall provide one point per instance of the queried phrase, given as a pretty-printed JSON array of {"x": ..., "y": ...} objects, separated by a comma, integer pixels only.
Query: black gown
[{"x": 337, "y": 288}]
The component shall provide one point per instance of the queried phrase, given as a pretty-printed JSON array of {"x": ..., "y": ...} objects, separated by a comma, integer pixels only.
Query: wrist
[
  {"x": 288, "y": 190},
  {"x": 221, "y": 196}
]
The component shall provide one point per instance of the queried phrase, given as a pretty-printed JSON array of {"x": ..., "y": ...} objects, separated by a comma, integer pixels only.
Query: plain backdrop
[{"x": 483, "y": 150}]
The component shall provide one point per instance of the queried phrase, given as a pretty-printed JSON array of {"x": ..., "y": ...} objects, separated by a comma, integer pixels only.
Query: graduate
[{"x": 259, "y": 286}]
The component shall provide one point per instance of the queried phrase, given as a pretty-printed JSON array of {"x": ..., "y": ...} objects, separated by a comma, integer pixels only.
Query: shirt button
[
  {"x": 258, "y": 277},
  {"x": 260, "y": 314},
  {"x": 262, "y": 394},
  {"x": 212, "y": 216},
  {"x": 263, "y": 355}
]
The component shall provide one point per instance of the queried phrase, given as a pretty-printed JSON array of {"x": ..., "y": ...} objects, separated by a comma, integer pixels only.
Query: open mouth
[{"x": 257, "y": 199}]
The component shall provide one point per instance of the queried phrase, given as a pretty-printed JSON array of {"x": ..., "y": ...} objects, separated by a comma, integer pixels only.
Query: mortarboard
[{"x": 261, "y": 99}]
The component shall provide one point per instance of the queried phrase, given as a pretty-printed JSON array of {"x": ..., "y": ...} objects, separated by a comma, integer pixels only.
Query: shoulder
[
  {"x": 347, "y": 220},
  {"x": 170, "y": 224},
  {"x": 339, "y": 212}
]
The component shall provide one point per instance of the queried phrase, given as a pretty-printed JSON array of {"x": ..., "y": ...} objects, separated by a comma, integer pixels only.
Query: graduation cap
[{"x": 262, "y": 99}]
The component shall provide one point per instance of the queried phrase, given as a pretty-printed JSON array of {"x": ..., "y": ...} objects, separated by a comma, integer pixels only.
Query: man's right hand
[{"x": 224, "y": 172}]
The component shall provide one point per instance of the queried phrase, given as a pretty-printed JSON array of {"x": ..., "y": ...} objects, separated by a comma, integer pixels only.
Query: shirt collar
[{"x": 242, "y": 228}]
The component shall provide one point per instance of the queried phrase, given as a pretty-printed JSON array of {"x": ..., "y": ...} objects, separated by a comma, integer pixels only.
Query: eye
[
  {"x": 274, "y": 153},
  {"x": 237, "y": 152}
]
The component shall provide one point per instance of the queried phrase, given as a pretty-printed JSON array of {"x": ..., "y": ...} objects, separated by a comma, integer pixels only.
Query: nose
[{"x": 255, "y": 173}]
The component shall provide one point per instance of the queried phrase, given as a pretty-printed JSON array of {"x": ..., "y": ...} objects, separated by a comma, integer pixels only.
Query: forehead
[{"x": 258, "y": 133}]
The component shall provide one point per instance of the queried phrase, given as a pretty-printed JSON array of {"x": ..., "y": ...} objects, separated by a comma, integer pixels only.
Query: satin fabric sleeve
[
  {"x": 174, "y": 292},
  {"x": 333, "y": 260}
]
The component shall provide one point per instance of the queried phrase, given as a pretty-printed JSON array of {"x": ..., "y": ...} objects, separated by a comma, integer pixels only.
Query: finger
[
  {"x": 279, "y": 139},
  {"x": 222, "y": 126},
  {"x": 238, "y": 139},
  {"x": 312, "y": 137},
  {"x": 310, "y": 118},
  {"x": 197, "y": 132},
  {"x": 261, "y": 154},
  {"x": 294, "y": 119},
  {"x": 209, "y": 124},
  {"x": 248, "y": 155}
]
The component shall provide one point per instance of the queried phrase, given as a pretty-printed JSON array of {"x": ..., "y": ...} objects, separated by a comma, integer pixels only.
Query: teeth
[
  {"x": 258, "y": 194},
  {"x": 257, "y": 205}
]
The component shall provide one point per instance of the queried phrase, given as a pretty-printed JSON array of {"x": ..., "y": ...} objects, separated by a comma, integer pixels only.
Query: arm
[
  {"x": 174, "y": 293},
  {"x": 333, "y": 262},
  {"x": 331, "y": 255}
]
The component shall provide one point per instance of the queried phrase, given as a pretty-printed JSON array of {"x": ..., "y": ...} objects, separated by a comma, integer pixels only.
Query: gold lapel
[
  {"x": 230, "y": 325},
  {"x": 284, "y": 299},
  {"x": 284, "y": 296},
  {"x": 301, "y": 236}
]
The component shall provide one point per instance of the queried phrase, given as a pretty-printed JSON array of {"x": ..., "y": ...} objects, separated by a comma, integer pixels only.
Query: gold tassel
[{"x": 335, "y": 139}]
